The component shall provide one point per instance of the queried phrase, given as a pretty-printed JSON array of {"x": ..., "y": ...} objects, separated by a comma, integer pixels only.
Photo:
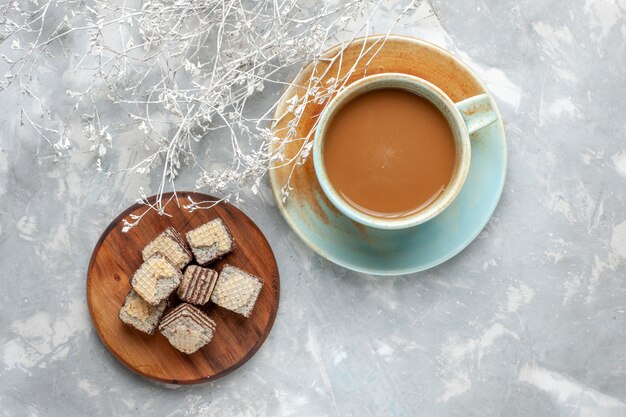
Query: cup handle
[{"x": 477, "y": 112}]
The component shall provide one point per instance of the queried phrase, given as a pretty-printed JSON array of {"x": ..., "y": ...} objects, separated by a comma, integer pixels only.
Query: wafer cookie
[
  {"x": 171, "y": 244},
  {"x": 156, "y": 279},
  {"x": 197, "y": 285},
  {"x": 187, "y": 328},
  {"x": 136, "y": 312},
  {"x": 210, "y": 241},
  {"x": 236, "y": 290}
]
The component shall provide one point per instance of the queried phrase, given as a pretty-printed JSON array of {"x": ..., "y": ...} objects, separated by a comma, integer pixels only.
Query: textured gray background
[{"x": 527, "y": 321}]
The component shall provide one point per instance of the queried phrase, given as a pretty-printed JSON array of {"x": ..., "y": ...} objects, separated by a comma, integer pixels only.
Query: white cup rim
[{"x": 417, "y": 86}]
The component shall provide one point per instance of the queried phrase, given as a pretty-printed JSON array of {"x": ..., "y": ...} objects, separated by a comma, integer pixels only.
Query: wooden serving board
[{"x": 116, "y": 257}]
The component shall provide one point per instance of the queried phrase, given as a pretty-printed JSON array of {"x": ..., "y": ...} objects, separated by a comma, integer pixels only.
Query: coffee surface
[{"x": 389, "y": 153}]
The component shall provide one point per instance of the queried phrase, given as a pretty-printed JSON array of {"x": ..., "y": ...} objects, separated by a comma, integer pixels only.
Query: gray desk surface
[{"x": 527, "y": 321}]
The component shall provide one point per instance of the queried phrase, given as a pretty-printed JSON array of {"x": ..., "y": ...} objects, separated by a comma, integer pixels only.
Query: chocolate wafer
[
  {"x": 236, "y": 290},
  {"x": 187, "y": 328},
  {"x": 197, "y": 285},
  {"x": 171, "y": 244},
  {"x": 210, "y": 241},
  {"x": 156, "y": 279},
  {"x": 136, "y": 312}
]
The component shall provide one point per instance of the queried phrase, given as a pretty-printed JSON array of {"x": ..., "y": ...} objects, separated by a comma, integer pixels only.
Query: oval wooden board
[{"x": 117, "y": 255}]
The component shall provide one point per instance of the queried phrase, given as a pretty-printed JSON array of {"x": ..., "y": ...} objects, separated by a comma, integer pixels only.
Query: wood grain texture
[{"x": 117, "y": 255}]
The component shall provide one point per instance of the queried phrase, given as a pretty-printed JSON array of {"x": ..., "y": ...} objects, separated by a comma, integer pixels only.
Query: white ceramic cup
[{"x": 464, "y": 118}]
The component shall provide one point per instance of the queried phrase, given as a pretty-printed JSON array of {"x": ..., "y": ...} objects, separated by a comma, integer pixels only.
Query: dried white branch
[{"x": 184, "y": 71}]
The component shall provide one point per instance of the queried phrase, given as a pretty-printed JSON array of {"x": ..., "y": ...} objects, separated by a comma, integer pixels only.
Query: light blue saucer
[{"x": 398, "y": 252}]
